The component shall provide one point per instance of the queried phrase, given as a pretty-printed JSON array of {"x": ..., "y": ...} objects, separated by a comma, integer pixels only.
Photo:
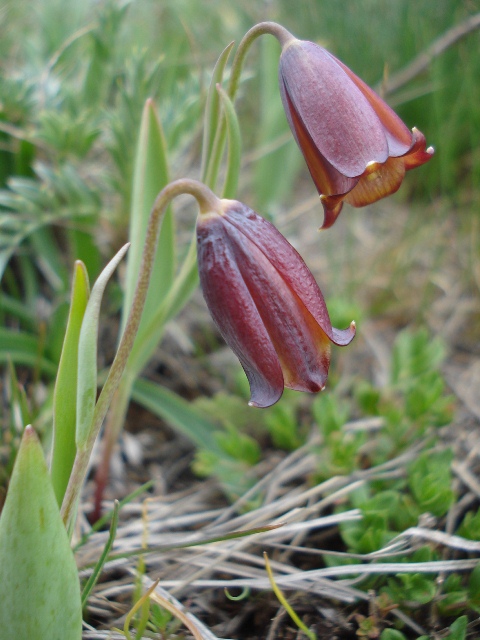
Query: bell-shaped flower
[
  {"x": 265, "y": 302},
  {"x": 356, "y": 147}
]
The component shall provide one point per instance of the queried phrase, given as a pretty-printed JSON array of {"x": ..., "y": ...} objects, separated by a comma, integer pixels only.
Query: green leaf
[
  {"x": 150, "y": 176},
  {"x": 234, "y": 145},
  {"x": 430, "y": 480},
  {"x": 23, "y": 348},
  {"x": 65, "y": 394},
  {"x": 177, "y": 412},
  {"x": 474, "y": 588},
  {"x": 458, "y": 630},
  {"x": 92, "y": 581},
  {"x": 392, "y": 634},
  {"x": 87, "y": 352},
  {"x": 39, "y": 589},
  {"x": 212, "y": 112}
]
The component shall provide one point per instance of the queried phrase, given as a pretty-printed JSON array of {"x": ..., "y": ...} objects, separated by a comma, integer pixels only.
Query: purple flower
[
  {"x": 265, "y": 302},
  {"x": 356, "y": 148}
]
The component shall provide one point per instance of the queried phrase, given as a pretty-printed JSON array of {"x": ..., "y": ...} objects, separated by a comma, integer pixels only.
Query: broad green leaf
[
  {"x": 177, "y": 412},
  {"x": 23, "y": 348},
  {"x": 458, "y": 629},
  {"x": 234, "y": 145},
  {"x": 87, "y": 352},
  {"x": 150, "y": 176},
  {"x": 212, "y": 111},
  {"x": 65, "y": 394},
  {"x": 39, "y": 589}
]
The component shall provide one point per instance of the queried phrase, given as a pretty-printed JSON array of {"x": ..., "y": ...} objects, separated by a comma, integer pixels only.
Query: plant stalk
[{"x": 207, "y": 201}]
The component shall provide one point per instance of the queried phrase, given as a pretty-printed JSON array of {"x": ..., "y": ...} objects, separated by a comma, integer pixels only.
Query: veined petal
[
  {"x": 398, "y": 135},
  {"x": 235, "y": 313},
  {"x": 378, "y": 181},
  {"x": 337, "y": 114},
  {"x": 327, "y": 179},
  {"x": 289, "y": 264},
  {"x": 302, "y": 346},
  {"x": 348, "y": 135}
]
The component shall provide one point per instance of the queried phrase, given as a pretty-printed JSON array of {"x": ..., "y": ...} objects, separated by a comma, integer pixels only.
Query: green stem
[
  {"x": 283, "y": 36},
  {"x": 207, "y": 201},
  {"x": 115, "y": 421},
  {"x": 260, "y": 29}
]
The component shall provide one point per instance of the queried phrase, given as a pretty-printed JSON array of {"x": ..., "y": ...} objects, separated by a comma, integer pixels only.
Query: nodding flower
[
  {"x": 265, "y": 302},
  {"x": 356, "y": 147}
]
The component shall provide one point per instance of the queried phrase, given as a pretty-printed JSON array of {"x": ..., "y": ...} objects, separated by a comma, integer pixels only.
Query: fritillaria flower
[
  {"x": 265, "y": 302},
  {"x": 356, "y": 148}
]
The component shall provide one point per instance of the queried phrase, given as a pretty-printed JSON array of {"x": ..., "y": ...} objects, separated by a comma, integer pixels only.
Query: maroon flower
[
  {"x": 357, "y": 149},
  {"x": 266, "y": 303}
]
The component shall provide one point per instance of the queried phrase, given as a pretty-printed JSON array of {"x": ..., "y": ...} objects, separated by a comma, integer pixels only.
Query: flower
[
  {"x": 356, "y": 147},
  {"x": 265, "y": 302}
]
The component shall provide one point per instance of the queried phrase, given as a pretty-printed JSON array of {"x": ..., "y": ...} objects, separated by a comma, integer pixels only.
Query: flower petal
[
  {"x": 398, "y": 135},
  {"x": 289, "y": 264},
  {"x": 378, "y": 181},
  {"x": 336, "y": 112},
  {"x": 235, "y": 313},
  {"x": 417, "y": 155},
  {"x": 301, "y": 345}
]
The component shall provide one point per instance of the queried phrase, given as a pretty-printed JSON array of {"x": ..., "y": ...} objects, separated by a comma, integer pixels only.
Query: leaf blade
[{"x": 39, "y": 590}]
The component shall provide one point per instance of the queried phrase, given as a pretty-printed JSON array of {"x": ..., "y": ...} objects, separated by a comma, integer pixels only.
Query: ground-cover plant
[{"x": 228, "y": 234}]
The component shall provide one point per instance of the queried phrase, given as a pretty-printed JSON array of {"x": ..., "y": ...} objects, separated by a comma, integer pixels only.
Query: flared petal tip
[
  {"x": 342, "y": 337},
  {"x": 418, "y": 153},
  {"x": 264, "y": 403},
  {"x": 332, "y": 206},
  {"x": 264, "y": 392}
]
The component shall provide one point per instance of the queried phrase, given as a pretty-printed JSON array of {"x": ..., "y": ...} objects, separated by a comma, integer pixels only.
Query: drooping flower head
[
  {"x": 265, "y": 302},
  {"x": 356, "y": 147}
]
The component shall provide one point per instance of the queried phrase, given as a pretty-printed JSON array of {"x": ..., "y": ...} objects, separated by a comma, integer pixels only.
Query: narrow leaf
[
  {"x": 150, "y": 176},
  {"x": 177, "y": 412},
  {"x": 65, "y": 394},
  {"x": 39, "y": 589},
  {"x": 212, "y": 110},
  {"x": 87, "y": 352},
  {"x": 234, "y": 145},
  {"x": 23, "y": 348},
  {"x": 91, "y": 582}
]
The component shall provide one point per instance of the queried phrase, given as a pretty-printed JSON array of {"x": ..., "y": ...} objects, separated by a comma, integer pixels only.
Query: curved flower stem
[
  {"x": 260, "y": 29},
  {"x": 272, "y": 28},
  {"x": 207, "y": 201}
]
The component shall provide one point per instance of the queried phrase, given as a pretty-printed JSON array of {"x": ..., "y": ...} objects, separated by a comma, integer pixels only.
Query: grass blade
[
  {"x": 212, "y": 111},
  {"x": 177, "y": 412},
  {"x": 87, "y": 352},
  {"x": 91, "y": 582},
  {"x": 234, "y": 145}
]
